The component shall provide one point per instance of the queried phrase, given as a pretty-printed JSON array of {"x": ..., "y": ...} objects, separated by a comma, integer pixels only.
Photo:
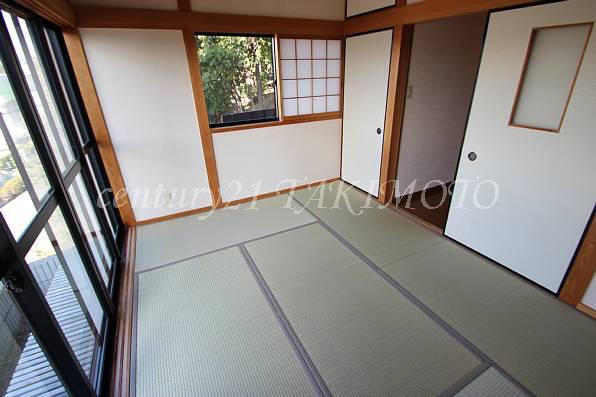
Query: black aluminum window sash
[
  {"x": 30, "y": 298},
  {"x": 57, "y": 47}
]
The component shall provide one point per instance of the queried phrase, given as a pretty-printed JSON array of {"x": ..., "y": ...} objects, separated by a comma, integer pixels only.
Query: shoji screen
[{"x": 310, "y": 76}]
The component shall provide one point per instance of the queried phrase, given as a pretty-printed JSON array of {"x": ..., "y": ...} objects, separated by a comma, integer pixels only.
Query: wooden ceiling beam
[
  {"x": 59, "y": 12},
  {"x": 427, "y": 10},
  {"x": 92, "y": 17}
]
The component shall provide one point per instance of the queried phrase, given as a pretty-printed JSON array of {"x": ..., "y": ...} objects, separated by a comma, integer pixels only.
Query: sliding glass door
[{"x": 59, "y": 233}]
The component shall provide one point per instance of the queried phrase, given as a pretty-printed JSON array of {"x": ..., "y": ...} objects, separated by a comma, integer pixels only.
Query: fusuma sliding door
[
  {"x": 367, "y": 63},
  {"x": 525, "y": 185}
]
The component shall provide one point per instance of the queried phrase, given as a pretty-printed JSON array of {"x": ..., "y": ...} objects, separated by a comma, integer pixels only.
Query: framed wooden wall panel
[{"x": 84, "y": 79}]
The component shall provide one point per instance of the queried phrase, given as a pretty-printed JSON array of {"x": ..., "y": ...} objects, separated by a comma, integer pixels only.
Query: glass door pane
[
  {"x": 39, "y": 89},
  {"x": 23, "y": 181},
  {"x": 93, "y": 233},
  {"x": 24, "y": 367},
  {"x": 59, "y": 271}
]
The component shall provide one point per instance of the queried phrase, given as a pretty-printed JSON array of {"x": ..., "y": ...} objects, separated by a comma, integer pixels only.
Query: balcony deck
[{"x": 34, "y": 375}]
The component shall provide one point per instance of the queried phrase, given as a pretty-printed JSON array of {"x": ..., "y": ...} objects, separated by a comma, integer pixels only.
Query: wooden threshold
[{"x": 121, "y": 381}]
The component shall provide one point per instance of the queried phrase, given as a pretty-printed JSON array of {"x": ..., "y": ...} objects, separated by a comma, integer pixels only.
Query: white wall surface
[
  {"x": 144, "y": 88},
  {"x": 273, "y": 156},
  {"x": 590, "y": 296},
  {"x": 443, "y": 68},
  {"x": 148, "y": 4},
  {"x": 310, "y": 9},
  {"x": 356, "y": 7}
]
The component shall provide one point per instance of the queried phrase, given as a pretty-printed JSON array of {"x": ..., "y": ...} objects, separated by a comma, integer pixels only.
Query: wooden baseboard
[
  {"x": 174, "y": 216},
  {"x": 279, "y": 192},
  {"x": 121, "y": 356},
  {"x": 234, "y": 202},
  {"x": 587, "y": 310}
]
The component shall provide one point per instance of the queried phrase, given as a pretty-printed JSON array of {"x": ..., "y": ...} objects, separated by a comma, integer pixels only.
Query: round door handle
[
  {"x": 379, "y": 131},
  {"x": 472, "y": 156}
]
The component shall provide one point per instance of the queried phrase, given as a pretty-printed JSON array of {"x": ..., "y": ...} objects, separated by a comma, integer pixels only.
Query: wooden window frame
[
  {"x": 313, "y": 116},
  {"x": 522, "y": 78},
  {"x": 276, "y": 92}
]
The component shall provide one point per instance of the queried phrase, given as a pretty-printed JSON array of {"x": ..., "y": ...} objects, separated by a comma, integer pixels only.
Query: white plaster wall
[
  {"x": 263, "y": 160},
  {"x": 144, "y": 88},
  {"x": 589, "y": 298},
  {"x": 356, "y": 7},
  {"x": 443, "y": 68}
]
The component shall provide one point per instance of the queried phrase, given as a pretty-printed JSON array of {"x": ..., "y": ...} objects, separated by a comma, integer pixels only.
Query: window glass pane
[
  {"x": 93, "y": 233},
  {"x": 23, "y": 181},
  {"x": 24, "y": 367},
  {"x": 82, "y": 138},
  {"x": 238, "y": 78},
  {"x": 40, "y": 90},
  {"x": 59, "y": 271},
  {"x": 102, "y": 202}
]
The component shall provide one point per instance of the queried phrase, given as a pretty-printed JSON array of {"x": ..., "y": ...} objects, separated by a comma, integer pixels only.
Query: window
[
  {"x": 553, "y": 61},
  {"x": 310, "y": 76},
  {"x": 59, "y": 247},
  {"x": 238, "y": 75}
]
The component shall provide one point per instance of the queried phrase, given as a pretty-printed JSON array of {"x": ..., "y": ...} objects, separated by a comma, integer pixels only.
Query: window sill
[{"x": 284, "y": 121}]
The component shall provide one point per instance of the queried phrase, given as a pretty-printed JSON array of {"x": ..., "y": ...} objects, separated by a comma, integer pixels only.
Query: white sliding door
[
  {"x": 530, "y": 144},
  {"x": 366, "y": 79}
]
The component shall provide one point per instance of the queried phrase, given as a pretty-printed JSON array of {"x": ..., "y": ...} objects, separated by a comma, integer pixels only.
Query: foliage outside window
[{"x": 238, "y": 78}]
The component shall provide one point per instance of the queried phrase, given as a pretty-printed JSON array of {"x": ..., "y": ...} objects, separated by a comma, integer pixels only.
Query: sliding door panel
[
  {"x": 525, "y": 186},
  {"x": 367, "y": 62}
]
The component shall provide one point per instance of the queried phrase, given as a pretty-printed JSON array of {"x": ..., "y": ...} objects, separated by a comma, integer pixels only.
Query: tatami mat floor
[{"x": 272, "y": 298}]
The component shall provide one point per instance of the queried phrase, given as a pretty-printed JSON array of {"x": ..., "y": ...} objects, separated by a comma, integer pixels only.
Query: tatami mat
[
  {"x": 177, "y": 239},
  {"x": 382, "y": 235},
  {"x": 363, "y": 336},
  {"x": 204, "y": 328},
  {"x": 490, "y": 384},
  {"x": 543, "y": 343}
]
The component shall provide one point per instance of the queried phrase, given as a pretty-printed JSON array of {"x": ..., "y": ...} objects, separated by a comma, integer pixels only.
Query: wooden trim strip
[
  {"x": 101, "y": 17},
  {"x": 286, "y": 120},
  {"x": 174, "y": 216},
  {"x": 59, "y": 12},
  {"x": 122, "y": 357},
  {"x": 184, "y": 5},
  {"x": 398, "y": 82},
  {"x": 235, "y": 202},
  {"x": 522, "y": 79},
  {"x": 587, "y": 310},
  {"x": 427, "y": 10},
  {"x": 76, "y": 52},
  {"x": 280, "y": 192},
  {"x": 203, "y": 118},
  {"x": 582, "y": 268}
]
